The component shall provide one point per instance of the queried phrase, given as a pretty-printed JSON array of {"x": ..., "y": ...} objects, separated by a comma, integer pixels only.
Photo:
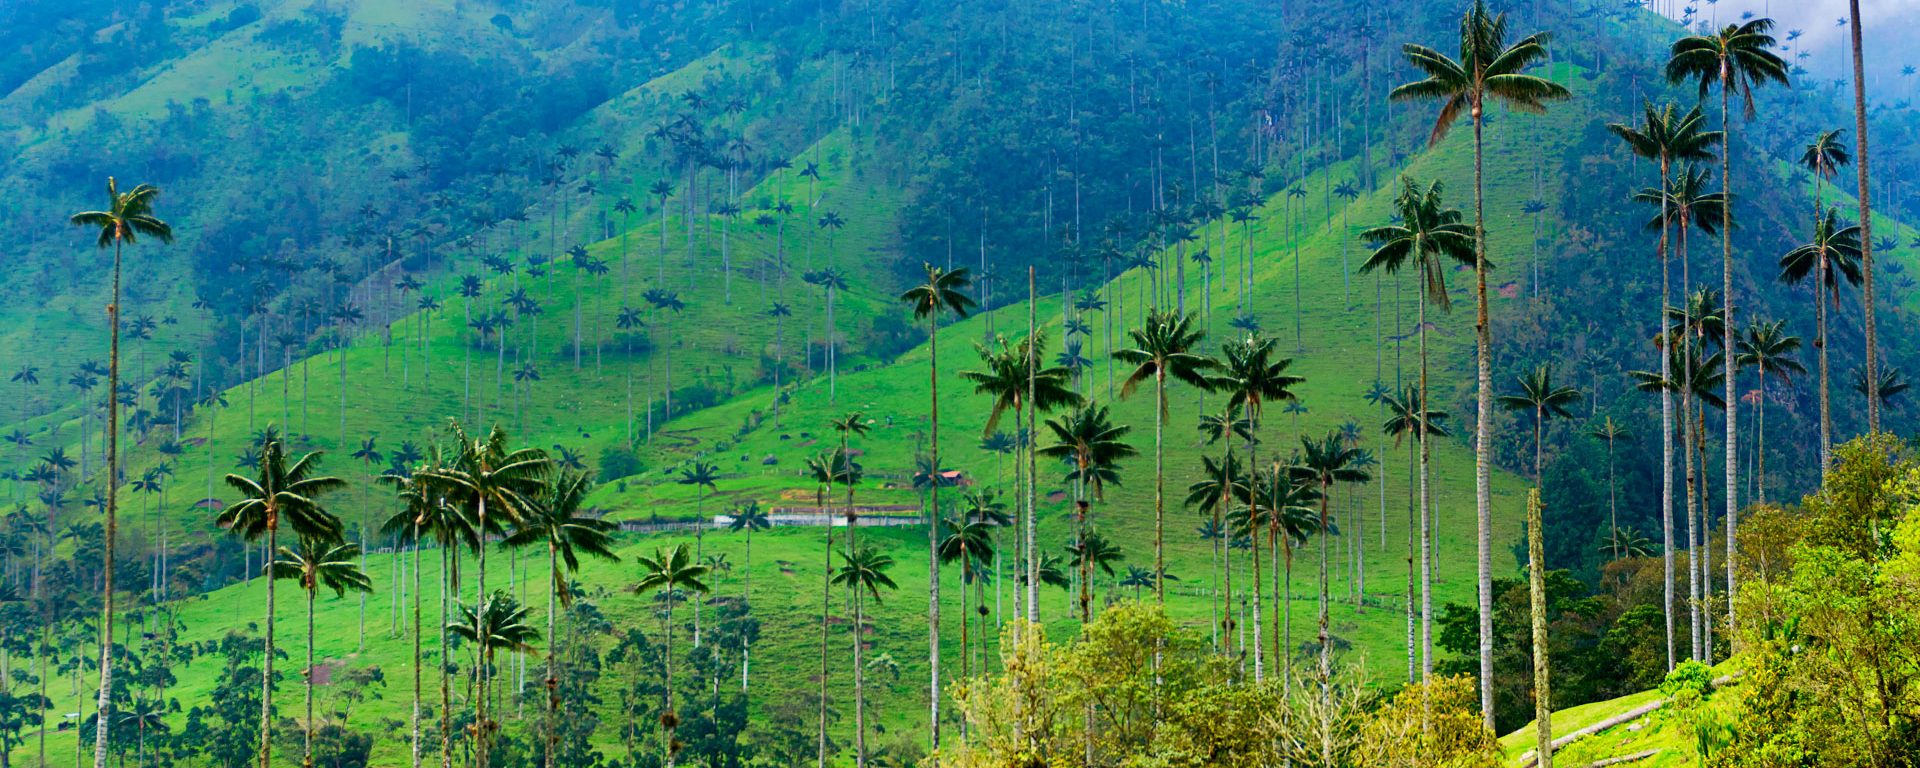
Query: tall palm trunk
[
  {"x": 1821, "y": 290},
  {"x": 1731, "y": 448},
  {"x": 1483, "y": 417},
  {"x": 859, "y": 682},
  {"x": 415, "y": 718},
  {"x": 1426, "y": 509},
  {"x": 446, "y": 674},
  {"x": 673, "y": 718},
  {"x": 825, "y": 501},
  {"x": 1033, "y": 415},
  {"x": 266, "y": 662},
  {"x": 1259, "y": 596},
  {"x": 103, "y": 703},
  {"x": 1326, "y": 640},
  {"x": 1687, "y": 425},
  {"x": 1866, "y": 248},
  {"x": 1413, "y": 554},
  {"x": 553, "y": 661},
  {"x": 307, "y": 759},
  {"x": 1666, "y": 419},
  {"x": 933, "y": 537},
  {"x": 1159, "y": 483},
  {"x": 1537, "y": 600}
]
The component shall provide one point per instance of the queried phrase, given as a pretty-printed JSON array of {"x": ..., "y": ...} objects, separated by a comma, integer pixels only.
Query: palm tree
[
  {"x": 823, "y": 469},
  {"x": 969, "y": 542},
  {"x": 496, "y": 486},
  {"x": 748, "y": 517},
  {"x": 1539, "y": 395},
  {"x": 670, "y": 571},
  {"x": 1252, "y": 376},
  {"x": 567, "y": 530},
  {"x": 1409, "y": 415},
  {"x": 1092, "y": 446},
  {"x": 1215, "y": 491},
  {"x": 128, "y": 217},
  {"x": 1834, "y": 252},
  {"x": 1739, "y": 59},
  {"x": 1692, "y": 375},
  {"x": 865, "y": 572},
  {"x": 319, "y": 563},
  {"x": 1885, "y": 386},
  {"x": 282, "y": 494},
  {"x": 701, "y": 475},
  {"x": 1768, "y": 347},
  {"x": 1488, "y": 69},
  {"x": 1866, "y": 215},
  {"x": 498, "y": 622},
  {"x": 1824, "y": 157},
  {"x": 1327, "y": 461},
  {"x": 423, "y": 516},
  {"x": 1014, "y": 379},
  {"x": 941, "y": 293},
  {"x": 1164, "y": 346},
  {"x": 1668, "y": 136},
  {"x": 831, "y": 281},
  {"x": 1610, "y": 432},
  {"x": 1091, "y": 551}
]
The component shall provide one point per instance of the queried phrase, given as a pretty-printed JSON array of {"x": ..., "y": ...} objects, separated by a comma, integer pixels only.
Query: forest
[{"x": 376, "y": 374}]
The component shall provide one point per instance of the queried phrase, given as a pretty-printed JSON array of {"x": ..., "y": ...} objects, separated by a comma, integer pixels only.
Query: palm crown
[
  {"x": 1487, "y": 68},
  {"x": 1737, "y": 58},
  {"x": 1426, "y": 237},
  {"x": 129, "y": 216},
  {"x": 282, "y": 495}
]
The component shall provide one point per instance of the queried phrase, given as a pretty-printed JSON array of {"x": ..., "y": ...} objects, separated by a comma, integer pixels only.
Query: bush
[{"x": 619, "y": 461}]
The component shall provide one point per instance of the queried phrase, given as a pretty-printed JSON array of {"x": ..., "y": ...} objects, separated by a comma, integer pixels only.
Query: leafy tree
[{"x": 1487, "y": 69}]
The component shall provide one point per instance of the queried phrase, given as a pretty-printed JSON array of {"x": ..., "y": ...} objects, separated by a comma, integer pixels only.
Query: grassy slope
[{"x": 1662, "y": 729}]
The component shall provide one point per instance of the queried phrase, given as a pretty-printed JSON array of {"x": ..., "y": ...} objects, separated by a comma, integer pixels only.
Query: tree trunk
[
  {"x": 1159, "y": 486},
  {"x": 1326, "y": 640},
  {"x": 103, "y": 704},
  {"x": 415, "y": 718},
  {"x": 1732, "y": 468},
  {"x": 1483, "y": 414},
  {"x": 553, "y": 670},
  {"x": 1666, "y": 420},
  {"x": 825, "y": 501},
  {"x": 266, "y": 665},
  {"x": 307, "y": 759},
  {"x": 933, "y": 536},
  {"x": 1426, "y": 506},
  {"x": 1537, "y": 592},
  {"x": 1866, "y": 248}
]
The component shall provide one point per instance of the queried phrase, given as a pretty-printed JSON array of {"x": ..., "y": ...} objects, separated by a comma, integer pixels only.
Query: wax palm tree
[
  {"x": 969, "y": 542},
  {"x": 1164, "y": 346},
  {"x": 1610, "y": 432},
  {"x": 824, "y": 469},
  {"x": 423, "y": 516},
  {"x": 941, "y": 293},
  {"x": 497, "y": 486},
  {"x": 319, "y": 563},
  {"x": 1667, "y": 136},
  {"x": 1287, "y": 511},
  {"x": 283, "y": 494},
  {"x": 1088, "y": 552},
  {"x": 747, "y": 518},
  {"x": 1539, "y": 395},
  {"x": 670, "y": 571},
  {"x": 1739, "y": 59},
  {"x": 128, "y": 217},
  {"x": 1092, "y": 447},
  {"x": 1252, "y": 375},
  {"x": 497, "y": 623},
  {"x": 1215, "y": 491},
  {"x": 568, "y": 530},
  {"x": 1325, "y": 462},
  {"x": 1887, "y": 385},
  {"x": 1834, "y": 252},
  {"x": 832, "y": 282},
  {"x": 1488, "y": 69},
  {"x": 1767, "y": 347},
  {"x": 1015, "y": 379},
  {"x": 1824, "y": 157},
  {"x": 1691, "y": 374},
  {"x": 1408, "y": 416},
  {"x": 864, "y": 573}
]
